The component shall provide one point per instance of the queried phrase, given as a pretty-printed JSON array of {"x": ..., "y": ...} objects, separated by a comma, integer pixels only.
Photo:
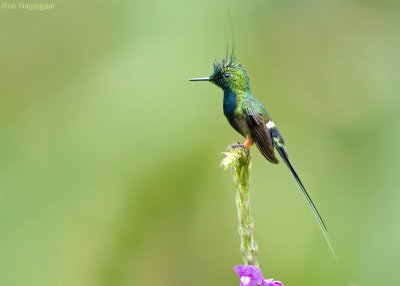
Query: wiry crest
[{"x": 228, "y": 61}]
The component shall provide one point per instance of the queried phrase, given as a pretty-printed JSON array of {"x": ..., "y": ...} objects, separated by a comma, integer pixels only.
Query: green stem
[{"x": 238, "y": 160}]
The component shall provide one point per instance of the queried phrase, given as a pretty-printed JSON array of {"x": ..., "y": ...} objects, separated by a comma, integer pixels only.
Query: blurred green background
[{"x": 109, "y": 157}]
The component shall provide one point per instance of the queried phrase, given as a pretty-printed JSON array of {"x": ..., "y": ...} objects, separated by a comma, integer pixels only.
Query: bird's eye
[{"x": 227, "y": 75}]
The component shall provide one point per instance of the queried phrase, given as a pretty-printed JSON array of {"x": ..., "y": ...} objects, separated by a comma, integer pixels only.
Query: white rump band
[{"x": 270, "y": 124}]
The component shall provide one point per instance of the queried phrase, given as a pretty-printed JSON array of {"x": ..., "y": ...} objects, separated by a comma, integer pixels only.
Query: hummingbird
[{"x": 248, "y": 116}]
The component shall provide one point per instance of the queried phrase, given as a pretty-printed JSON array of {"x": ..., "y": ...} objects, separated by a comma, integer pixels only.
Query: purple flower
[
  {"x": 272, "y": 282},
  {"x": 249, "y": 275},
  {"x": 252, "y": 276}
]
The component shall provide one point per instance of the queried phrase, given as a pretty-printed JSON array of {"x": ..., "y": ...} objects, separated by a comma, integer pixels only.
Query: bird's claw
[{"x": 236, "y": 145}]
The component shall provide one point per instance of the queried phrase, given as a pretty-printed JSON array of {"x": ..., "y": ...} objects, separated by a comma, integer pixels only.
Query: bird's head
[{"x": 228, "y": 75}]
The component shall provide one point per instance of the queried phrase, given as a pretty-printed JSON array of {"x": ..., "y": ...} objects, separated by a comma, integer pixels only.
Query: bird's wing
[{"x": 259, "y": 132}]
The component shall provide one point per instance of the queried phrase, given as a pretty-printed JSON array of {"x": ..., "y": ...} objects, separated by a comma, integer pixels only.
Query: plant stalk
[{"x": 238, "y": 160}]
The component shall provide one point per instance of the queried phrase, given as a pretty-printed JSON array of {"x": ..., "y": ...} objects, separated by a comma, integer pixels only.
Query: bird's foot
[{"x": 236, "y": 145}]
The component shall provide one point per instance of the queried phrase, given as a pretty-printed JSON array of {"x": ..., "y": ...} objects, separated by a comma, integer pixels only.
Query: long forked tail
[{"x": 282, "y": 151}]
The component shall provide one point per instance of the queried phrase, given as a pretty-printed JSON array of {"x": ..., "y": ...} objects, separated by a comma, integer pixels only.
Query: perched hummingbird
[{"x": 248, "y": 117}]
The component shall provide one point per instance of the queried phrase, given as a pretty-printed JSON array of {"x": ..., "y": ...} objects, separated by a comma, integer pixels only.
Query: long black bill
[{"x": 200, "y": 79}]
